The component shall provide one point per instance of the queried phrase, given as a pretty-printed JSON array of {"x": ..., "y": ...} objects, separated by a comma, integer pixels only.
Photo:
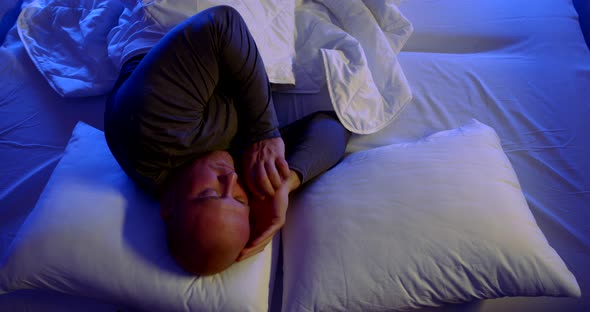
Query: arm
[
  {"x": 258, "y": 138},
  {"x": 314, "y": 144},
  {"x": 244, "y": 77}
]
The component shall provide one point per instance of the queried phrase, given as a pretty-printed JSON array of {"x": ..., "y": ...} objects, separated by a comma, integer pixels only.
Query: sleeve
[
  {"x": 257, "y": 118},
  {"x": 257, "y": 121},
  {"x": 314, "y": 144},
  {"x": 244, "y": 76}
]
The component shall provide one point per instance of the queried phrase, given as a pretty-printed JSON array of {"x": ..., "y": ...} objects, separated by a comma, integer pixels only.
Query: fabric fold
[{"x": 352, "y": 47}]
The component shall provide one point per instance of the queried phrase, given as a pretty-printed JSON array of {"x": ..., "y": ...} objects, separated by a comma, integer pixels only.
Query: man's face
[
  {"x": 213, "y": 176},
  {"x": 211, "y": 214}
]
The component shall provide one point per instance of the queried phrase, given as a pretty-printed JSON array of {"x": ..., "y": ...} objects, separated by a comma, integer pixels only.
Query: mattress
[{"x": 522, "y": 68}]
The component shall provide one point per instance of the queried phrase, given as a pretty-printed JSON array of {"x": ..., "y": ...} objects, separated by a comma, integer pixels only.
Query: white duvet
[
  {"x": 349, "y": 47},
  {"x": 79, "y": 45}
]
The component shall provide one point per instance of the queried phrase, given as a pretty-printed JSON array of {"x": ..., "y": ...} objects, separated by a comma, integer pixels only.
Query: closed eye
[
  {"x": 212, "y": 193},
  {"x": 208, "y": 192},
  {"x": 241, "y": 200}
]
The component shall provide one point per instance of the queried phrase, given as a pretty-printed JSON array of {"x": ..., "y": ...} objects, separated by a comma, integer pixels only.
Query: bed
[{"x": 465, "y": 188}]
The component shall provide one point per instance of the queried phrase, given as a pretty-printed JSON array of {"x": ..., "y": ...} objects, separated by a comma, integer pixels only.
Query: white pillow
[
  {"x": 94, "y": 233},
  {"x": 442, "y": 220}
]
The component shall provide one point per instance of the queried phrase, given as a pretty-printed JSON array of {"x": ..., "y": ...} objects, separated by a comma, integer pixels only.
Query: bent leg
[{"x": 314, "y": 144}]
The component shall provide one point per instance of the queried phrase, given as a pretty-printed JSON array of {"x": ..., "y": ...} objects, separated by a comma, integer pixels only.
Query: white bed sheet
[
  {"x": 34, "y": 131},
  {"x": 518, "y": 66},
  {"x": 523, "y": 68}
]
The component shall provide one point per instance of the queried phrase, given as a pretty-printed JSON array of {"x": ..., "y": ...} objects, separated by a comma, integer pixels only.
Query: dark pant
[{"x": 184, "y": 97}]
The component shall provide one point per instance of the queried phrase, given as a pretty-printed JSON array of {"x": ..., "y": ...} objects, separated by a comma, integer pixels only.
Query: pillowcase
[
  {"x": 94, "y": 233},
  {"x": 403, "y": 226}
]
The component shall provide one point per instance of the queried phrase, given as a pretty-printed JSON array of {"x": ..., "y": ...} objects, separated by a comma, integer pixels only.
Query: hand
[
  {"x": 265, "y": 167},
  {"x": 268, "y": 216}
]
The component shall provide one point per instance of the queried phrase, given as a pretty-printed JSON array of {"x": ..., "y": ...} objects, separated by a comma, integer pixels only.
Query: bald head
[
  {"x": 206, "y": 213},
  {"x": 206, "y": 235}
]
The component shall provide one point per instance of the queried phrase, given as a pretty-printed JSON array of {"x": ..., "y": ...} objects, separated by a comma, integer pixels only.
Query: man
[{"x": 178, "y": 116}]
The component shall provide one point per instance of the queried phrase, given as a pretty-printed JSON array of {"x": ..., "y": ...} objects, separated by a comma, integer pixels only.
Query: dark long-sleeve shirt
[
  {"x": 312, "y": 144},
  {"x": 203, "y": 88}
]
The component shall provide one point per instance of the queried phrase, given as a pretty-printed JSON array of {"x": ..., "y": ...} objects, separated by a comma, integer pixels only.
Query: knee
[
  {"x": 224, "y": 10},
  {"x": 330, "y": 123},
  {"x": 219, "y": 18},
  {"x": 224, "y": 13}
]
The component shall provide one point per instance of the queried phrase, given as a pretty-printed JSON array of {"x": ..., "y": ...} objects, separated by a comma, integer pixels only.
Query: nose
[{"x": 229, "y": 182}]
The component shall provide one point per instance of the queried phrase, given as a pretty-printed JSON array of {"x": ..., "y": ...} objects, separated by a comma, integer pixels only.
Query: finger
[
  {"x": 247, "y": 253},
  {"x": 259, "y": 242},
  {"x": 273, "y": 175},
  {"x": 249, "y": 176},
  {"x": 261, "y": 236},
  {"x": 251, "y": 183},
  {"x": 263, "y": 183},
  {"x": 254, "y": 249},
  {"x": 283, "y": 167},
  {"x": 266, "y": 235}
]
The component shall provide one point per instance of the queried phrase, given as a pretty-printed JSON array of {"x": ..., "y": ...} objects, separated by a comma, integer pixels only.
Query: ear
[
  {"x": 167, "y": 202},
  {"x": 169, "y": 194}
]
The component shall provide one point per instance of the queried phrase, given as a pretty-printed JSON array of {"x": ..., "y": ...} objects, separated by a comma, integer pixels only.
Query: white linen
[
  {"x": 271, "y": 23},
  {"x": 410, "y": 225},
  {"x": 352, "y": 47},
  {"x": 66, "y": 40},
  {"x": 71, "y": 41},
  {"x": 523, "y": 68},
  {"x": 465, "y": 59},
  {"x": 95, "y": 234}
]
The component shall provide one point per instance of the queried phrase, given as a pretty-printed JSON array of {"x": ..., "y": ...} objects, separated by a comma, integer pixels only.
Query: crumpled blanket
[
  {"x": 352, "y": 46},
  {"x": 80, "y": 45},
  {"x": 67, "y": 40},
  {"x": 271, "y": 23},
  {"x": 349, "y": 46}
]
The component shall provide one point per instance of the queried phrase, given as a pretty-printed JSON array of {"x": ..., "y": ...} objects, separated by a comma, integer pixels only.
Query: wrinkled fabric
[
  {"x": 351, "y": 47},
  {"x": 80, "y": 45},
  {"x": 67, "y": 39}
]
